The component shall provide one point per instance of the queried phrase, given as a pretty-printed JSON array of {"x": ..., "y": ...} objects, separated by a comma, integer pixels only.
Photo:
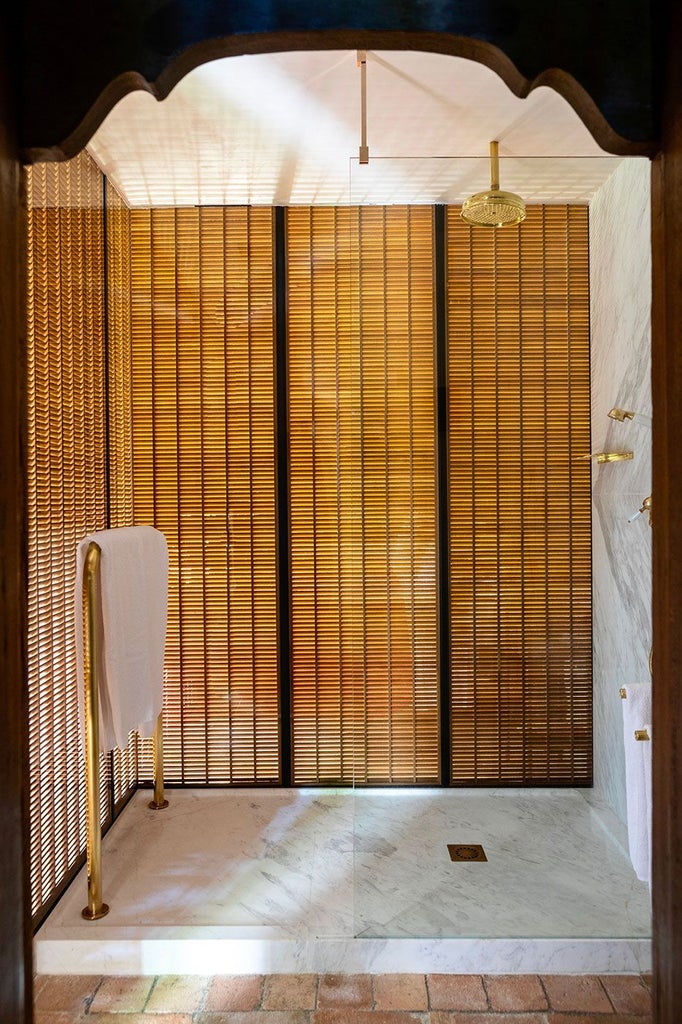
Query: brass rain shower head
[{"x": 494, "y": 209}]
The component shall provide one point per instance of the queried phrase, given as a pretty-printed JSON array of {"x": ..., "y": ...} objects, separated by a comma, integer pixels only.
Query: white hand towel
[
  {"x": 637, "y": 715},
  {"x": 134, "y": 590}
]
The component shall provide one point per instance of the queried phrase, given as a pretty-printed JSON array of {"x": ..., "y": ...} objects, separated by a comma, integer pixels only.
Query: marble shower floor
[{"x": 283, "y": 880}]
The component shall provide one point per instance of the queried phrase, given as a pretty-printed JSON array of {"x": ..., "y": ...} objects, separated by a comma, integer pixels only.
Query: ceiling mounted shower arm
[
  {"x": 363, "y": 154},
  {"x": 494, "y": 167},
  {"x": 495, "y": 208}
]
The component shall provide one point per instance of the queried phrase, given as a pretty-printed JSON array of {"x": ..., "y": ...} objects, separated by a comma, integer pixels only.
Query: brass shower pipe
[
  {"x": 363, "y": 151},
  {"x": 92, "y": 655}
]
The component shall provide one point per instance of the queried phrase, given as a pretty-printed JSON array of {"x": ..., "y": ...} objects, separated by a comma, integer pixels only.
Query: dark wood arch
[
  {"x": 73, "y": 51},
  {"x": 49, "y": 107},
  {"x": 477, "y": 50}
]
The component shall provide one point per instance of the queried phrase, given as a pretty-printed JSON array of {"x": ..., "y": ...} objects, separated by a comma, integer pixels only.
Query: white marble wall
[{"x": 620, "y": 281}]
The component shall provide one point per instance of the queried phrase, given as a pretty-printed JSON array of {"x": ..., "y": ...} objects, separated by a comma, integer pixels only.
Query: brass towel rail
[
  {"x": 639, "y": 734},
  {"x": 92, "y": 655}
]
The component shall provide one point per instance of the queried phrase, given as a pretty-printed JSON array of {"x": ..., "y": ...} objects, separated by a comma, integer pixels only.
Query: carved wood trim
[
  {"x": 667, "y": 389},
  {"x": 344, "y": 39}
]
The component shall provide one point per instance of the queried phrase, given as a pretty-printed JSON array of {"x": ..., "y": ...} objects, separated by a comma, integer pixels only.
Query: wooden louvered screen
[
  {"x": 520, "y": 499},
  {"x": 191, "y": 425},
  {"x": 202, "y": 384},
  {"x": 363, "y": 495},
  {"x": 66, "y": 492},
  {"x": 120, "y": 417}
]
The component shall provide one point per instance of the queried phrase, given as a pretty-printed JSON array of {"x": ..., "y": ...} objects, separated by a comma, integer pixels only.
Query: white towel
[
  {"x": 134, "y": 589},
  {"x": 637, "y": 715}
]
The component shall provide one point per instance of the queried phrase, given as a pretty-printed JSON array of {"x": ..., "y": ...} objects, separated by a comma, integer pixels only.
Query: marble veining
[
  {"x": 620, "y": 314},
  {"x": 323, "y": 880}
]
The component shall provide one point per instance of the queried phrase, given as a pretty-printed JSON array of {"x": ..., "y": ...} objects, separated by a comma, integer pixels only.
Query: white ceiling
[{"x": 284, "y": 129}]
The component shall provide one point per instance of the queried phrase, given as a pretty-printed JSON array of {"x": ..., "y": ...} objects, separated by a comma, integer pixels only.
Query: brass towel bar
[{"x": 92, "y": 617}]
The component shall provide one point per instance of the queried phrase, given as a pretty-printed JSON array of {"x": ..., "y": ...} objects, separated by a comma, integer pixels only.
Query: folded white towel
[
  {"x": 637, "y": 715},
  {"x": 134, "y": 589}
]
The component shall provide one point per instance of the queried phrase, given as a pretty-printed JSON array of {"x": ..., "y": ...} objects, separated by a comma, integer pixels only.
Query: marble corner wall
[{"x": 620, "y": 287}]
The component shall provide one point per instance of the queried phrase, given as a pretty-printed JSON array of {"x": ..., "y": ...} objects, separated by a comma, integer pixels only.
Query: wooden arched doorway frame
[
  {"x": 15, "y": 944},
  {"x": 279, "y": 42}
]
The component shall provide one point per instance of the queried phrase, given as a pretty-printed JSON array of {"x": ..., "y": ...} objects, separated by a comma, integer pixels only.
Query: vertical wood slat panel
[
  {"x": 66, "y": 492},
  {"x": 203, "y": 442},
  {"x": 363, "y": 501},
  {"x": 120, "y": 419},
  {"x": 520, "y": 499},
  {"x": 322, "y": 455}
]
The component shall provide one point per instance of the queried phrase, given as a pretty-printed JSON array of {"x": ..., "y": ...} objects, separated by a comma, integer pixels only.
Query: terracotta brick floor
[{"x": 344, "y": 999}]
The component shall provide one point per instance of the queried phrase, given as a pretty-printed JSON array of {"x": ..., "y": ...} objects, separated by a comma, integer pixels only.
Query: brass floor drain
[{"x": 468, "y": 852}]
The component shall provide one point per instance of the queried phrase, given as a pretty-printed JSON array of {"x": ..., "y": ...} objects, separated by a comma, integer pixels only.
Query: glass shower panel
[{"x": 470, "y": 851}]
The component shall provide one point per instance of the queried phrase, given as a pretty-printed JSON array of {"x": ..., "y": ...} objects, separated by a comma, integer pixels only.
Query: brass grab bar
[
  {"x": 159, "y": 801},
  {"x": 91, "y": 660},
  {"x": 92, "y": 653}
]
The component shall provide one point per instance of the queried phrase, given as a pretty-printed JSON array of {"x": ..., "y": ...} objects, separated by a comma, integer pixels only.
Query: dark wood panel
[
  {"x": 15, "y": 941},
  {"x": 667, "y": 534},
  {"x": 79, "y": 63},
  {"x": 85, "y": 89}
]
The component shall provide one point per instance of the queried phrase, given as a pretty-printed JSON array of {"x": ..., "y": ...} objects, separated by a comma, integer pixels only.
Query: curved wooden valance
[{"x": 80, "y": 59}]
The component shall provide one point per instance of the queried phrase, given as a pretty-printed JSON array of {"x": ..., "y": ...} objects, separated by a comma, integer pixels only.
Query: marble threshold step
[
  {"x": 274, "y": 881},
  {"x": 213, "y": 951}
]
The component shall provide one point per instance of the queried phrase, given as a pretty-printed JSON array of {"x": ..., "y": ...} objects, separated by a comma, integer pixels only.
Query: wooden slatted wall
[
  {"x": 66, "y": 492},
  {"x": 363, "y": 495},
  {"x": 202, "y": 379},
  {"x": 520, "y": 597}
]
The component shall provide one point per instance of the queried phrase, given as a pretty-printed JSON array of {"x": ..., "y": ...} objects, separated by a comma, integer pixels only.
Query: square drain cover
[{"x": 466, "y": 852}]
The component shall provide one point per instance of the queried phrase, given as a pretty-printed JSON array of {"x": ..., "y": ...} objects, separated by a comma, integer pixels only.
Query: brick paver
[
  {"x": 252, "y": 1017},
  {"x": 628, "y": 994},
  {"x": 457, "y": 1017},
  {"x": 290, "y": 992},
  {"x": 341, "y": 991},
  {"x": 595, "y": 1018},
  {"x": 344, "y": 999},
  {"x": 355, "y": 1016},
  {"x": 69, "y": 992},
  {"x": 134, "y": 1018},
  {"x": 515, "y": 992},
  {"x": 58, "y": 1017},
  {"x": 579, "y": 992},
  {"x": 456, "y": 992},
  {"x": 122, "y": 995},
  {"x": 234, "y": 992},
  {"x": 177, "y": 993},
  {"x": 400, "y": 992}
]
